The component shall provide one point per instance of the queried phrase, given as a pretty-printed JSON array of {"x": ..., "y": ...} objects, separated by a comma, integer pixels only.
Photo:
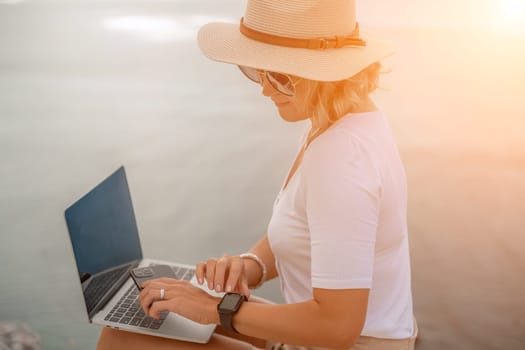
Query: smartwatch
[{"x": 228, "y": 307}]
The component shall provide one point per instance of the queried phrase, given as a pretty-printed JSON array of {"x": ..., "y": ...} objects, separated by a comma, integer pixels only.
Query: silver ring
[{"x": 162, "y": 294}]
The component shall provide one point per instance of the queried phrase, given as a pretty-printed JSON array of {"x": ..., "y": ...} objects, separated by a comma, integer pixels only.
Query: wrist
[
  {"x": 212, "y": 310},
  {"x": 253, "y": 263},
  {"x": 227, "y": 309},
  {"x": 253, "y": 272}
]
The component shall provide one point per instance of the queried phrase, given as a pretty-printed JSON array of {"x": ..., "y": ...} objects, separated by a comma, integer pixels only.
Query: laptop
[{"x": 106, "y": 246}]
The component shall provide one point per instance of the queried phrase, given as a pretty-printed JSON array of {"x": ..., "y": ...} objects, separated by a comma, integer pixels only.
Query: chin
[{"x": 290, "y": 117}]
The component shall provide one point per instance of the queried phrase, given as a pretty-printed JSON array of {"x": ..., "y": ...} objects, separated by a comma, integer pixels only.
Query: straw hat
[{"x": 313, "y": 39}]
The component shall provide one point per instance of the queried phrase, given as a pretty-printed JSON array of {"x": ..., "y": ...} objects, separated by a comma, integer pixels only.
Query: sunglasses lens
[
  {"x": 251, "y": 74},
  {"x": 281, "y": 82}
]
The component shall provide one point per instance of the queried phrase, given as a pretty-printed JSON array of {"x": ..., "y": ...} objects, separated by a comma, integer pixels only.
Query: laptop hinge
[{"x": 113, "y": 290}]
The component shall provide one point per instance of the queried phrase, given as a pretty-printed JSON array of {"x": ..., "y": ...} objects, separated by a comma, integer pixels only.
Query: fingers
[
  {"x": 149, "y": 295},
  {"x": 225, "y": 274},
  {"x": 151, "y": 291},
  {"x": 214, "y": 271},
  {"x": 157, "y": 307},
  {"x": 221, "y": 269},
  {"x": 210, "y": 273},
  {"x": 200, "y": 270},
  {"x": 235, "y": 274},
  {"x": 244, "y": 286}
]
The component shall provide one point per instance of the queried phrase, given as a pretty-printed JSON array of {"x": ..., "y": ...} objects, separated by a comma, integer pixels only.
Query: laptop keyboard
[
  {"x": 128, "y": 309},
  {"x": 98, "y": 286}
]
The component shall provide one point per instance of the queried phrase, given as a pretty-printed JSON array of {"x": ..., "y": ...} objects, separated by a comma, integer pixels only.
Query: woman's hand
[
  {"x": 180, "y": 297},
  {"x": 226, "y": 274}
]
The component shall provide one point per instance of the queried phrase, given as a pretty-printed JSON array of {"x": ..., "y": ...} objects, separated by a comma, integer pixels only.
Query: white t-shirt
[{"x": 341, "y": 223}]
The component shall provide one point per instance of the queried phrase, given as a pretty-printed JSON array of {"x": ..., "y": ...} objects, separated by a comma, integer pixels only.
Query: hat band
[{"x": 313, "y": 43}]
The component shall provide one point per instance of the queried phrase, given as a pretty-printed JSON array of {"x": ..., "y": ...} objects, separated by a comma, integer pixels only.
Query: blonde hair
[{"x": 326, "y": 102}]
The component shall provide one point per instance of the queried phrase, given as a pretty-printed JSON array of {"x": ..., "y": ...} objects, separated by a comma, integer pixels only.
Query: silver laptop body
[{"x": 106, "y": 246}]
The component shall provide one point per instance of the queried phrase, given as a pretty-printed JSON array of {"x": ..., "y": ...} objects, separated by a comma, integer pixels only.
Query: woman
[{"x": 337, "y": 238}]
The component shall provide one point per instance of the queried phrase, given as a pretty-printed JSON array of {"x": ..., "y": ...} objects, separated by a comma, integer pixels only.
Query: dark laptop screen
[{"x": 102, "y": 227}]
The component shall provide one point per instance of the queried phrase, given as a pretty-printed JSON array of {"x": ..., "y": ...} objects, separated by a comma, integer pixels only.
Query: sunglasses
[{"x": 281, "y": 82}]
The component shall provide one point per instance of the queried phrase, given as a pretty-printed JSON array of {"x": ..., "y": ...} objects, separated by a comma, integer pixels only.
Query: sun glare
[{"x": 513, "y": 15}]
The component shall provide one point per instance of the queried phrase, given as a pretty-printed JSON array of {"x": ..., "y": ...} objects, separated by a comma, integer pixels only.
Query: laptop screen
[{"x": 103, "y": 230}]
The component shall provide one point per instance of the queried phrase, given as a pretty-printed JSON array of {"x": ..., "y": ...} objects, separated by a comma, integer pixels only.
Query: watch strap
[
  {"x": 226, "y": 316},
  {"x": 227, "y": 322}
]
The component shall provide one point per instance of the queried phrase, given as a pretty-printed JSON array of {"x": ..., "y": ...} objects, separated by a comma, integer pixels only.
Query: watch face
[{"x": 230, "y": 301}]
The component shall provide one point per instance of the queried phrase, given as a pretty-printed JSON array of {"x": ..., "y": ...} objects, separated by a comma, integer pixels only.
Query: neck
[{"x": 366, "y": 105}]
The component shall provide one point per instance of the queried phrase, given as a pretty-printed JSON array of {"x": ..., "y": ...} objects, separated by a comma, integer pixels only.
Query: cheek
[
  {"x": 300, "y": 110},
  {"x": 292, "y": 113},
  {"x": 299, "y": 104}
]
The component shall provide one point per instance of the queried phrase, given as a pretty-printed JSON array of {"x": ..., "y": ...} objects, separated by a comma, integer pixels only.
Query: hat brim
[{"x": 224, "y": 42}]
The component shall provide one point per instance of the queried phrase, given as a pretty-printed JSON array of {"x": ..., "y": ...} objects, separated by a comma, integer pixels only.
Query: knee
[{"x": 110, "y": 339}]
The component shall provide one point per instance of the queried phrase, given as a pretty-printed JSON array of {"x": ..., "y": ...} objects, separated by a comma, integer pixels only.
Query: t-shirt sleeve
[{"x": 343, "y": 191}]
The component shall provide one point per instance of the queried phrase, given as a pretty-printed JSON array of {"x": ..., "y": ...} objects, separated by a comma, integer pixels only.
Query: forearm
[
  {"x": 300, "y": 324},
  {"x": 253, "y": 270}
]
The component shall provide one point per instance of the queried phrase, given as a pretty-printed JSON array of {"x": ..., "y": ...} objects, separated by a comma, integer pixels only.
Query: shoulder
[
  {"x": 350, "y": 138},
  {"x": 347, "y": 155}
]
